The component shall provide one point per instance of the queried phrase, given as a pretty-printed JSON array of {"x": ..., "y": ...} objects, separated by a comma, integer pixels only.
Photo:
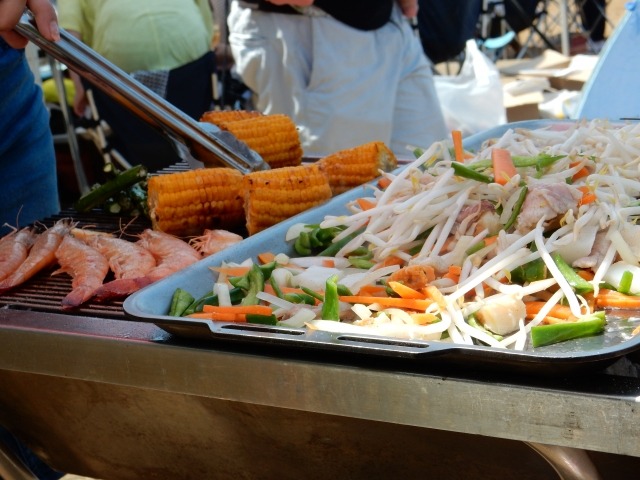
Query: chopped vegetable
[
  {"x": 102, "y": 193},
  {"x": 503, "y": 167},
  {"x": 561, "y": 332}
]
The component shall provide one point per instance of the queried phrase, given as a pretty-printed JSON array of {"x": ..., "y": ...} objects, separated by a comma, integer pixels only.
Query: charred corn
[
  {"x": 220, "y": 116},
  {"x": 272, "y": 196},
  {"x": 349, "y": 168},
  {"x": 187, "y": 203},
  {"x": 274, "y": 137}
]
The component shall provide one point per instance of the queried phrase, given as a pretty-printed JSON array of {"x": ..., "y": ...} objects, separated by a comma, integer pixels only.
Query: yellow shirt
[{"x": 141, "y": 34}]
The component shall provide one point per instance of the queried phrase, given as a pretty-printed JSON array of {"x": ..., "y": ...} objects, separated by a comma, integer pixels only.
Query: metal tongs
[{"x": 194, "y": 141}]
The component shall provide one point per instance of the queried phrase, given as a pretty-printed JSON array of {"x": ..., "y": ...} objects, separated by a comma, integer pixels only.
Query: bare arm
[{"x": 43, "y": 11}]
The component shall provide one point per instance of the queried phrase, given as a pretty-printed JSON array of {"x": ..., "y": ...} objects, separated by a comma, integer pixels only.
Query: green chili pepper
[
  {"x": 465, "y": 172},
  {"x": 332, "y": 249},
  {"x": 516, "y": 208},
  {"x": 343, "y": 290},
  {"x": 542, "y": 335},
  {"x": 331, "y": 304},
  {"x": 180, "y": 301},
  {"x": 302, "y": 245},
  {"x": 529, "y": 272},
  {"x": 256, "y": 285},
  {"x": 300, "y": 298},
  {"x": 235, "y": 295},
  {"x": 261, "y": 319},
  {"x": 625, "y": 282},
  {"x": 313, "y": 294},
  {"x": 579, "y": 284}
]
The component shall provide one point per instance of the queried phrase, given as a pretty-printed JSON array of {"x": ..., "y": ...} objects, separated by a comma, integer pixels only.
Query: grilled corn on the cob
[
  {"x": 272, "y": 196},
  {"x": 274, "y": 137},
  {"x": 349, "y": 168},
  {"x": 219, "y": 116},
  {"x": 185, "y": 203}
]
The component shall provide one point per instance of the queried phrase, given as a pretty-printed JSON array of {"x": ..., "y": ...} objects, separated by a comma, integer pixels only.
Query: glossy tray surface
[{"x": 151, "y": 303}]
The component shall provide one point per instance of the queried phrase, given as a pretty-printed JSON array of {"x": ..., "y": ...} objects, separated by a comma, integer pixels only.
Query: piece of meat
[{"x": 550, "y": 202}]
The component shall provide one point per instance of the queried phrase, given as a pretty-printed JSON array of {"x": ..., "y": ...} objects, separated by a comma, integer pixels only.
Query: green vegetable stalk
[
  {"x": 331, "y": 304},
  {"x": 180, "y": 301},
  {"x": 542, "y": 335}
]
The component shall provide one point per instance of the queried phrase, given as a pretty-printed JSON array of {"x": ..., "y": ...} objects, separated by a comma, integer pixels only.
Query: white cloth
[{"x": 341, "y": 86}]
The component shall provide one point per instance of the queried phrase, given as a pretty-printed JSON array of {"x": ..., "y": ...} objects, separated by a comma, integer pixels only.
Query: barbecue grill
[{"x": 97, "y": 394}]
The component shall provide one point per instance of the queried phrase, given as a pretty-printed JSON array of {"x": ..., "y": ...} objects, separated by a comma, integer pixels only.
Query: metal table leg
[{"x": 569, "y": 463}]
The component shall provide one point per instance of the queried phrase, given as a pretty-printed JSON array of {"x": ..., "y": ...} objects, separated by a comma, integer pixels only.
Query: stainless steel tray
[{"x": 151, "y": 303}]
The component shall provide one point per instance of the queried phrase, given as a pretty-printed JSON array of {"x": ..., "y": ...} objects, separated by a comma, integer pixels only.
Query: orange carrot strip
[
  {"x": 587, "y": 198},
  {"x": 390, "y": 260},
  {"x": 372, "y": 291},
  {"x": 424, "y": 318},
  {"x": 458, "y": 150},
  {"x": 583, "y": 172},
  {"x": 558, "y": 311},
  {"x": 329, "y": 263},
  {"x": 365, "y": 204},
  {"x": 404, "y": 291},
  {"x": 231, "y": 271},
  {"x": 238, "y": 309},
  {"x": 453, "y": 273},
  {"x": 266, "y": 257},
  {"x": 220, "y": 317},
  {"x": 503, "y": 167},
  {"x": 586, "y": 274},
  {"x": 383, "y": 182},
  {"x": 410, "y": 303},
  {"x": 613, "y": 299}
]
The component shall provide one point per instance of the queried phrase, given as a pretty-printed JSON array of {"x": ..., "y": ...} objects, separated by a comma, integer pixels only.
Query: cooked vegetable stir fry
[{"x": 527, "y": 240}]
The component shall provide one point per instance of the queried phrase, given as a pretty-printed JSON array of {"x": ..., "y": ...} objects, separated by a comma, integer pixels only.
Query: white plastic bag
[{"x": 472, "y": 101}]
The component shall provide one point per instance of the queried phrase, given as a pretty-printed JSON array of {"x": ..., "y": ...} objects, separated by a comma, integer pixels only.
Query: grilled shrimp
[
  {"x": 213, "y": 241},
  {"x": 171, "y": 254},
  {"x": 86, "y": 265},
  {"x": 14, "y": 248},
  {"x": 41, "y": 255},
  {"x": 126, "y": 259}
]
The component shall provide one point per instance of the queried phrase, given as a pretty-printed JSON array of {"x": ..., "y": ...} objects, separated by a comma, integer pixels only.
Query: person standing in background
[
  {"x": 592, "y": 15},
  {"x": 27, "y": 157},
  {"x": 346, "y": 72},
  {"x": 164, "y": 44}
]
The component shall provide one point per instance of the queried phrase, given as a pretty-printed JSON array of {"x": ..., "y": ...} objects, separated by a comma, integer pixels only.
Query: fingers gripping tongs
[{"x": 194, "y": 141}]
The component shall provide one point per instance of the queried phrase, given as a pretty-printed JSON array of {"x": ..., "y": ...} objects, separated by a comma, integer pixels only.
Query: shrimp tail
[
  {"x": 77, "y": 297},
  {"x": 121, "y": 287}
]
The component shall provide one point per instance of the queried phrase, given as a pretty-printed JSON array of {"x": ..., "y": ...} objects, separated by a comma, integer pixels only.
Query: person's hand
[
  {"x": 43, "y": 12},
  {"x": 297, "y": 3},
  {"x": 409, "y": 7}
]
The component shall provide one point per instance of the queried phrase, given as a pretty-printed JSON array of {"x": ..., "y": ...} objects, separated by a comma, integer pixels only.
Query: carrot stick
[
  {"x": 410, "y": 303},
  {"x": 231, "y": 271},
  {"x": 372, "y": 291},
  {"x": 390, "y": 260},
  {"x": 329, "y": 263},
  {"x": 383, "y": 182},
  {"x": 404, "y": 291},
  {"x": 220, "y": 317},
  {"x": 583, "y": 172},
  {"x": 365, "y": 204},
  {"x": 266, "y": 257},
  {"x": 503, "y": 167},
  {"x": 458, "y": 150},
  {"x": 613, "y": 299},
  {"x": 557, "y": 311},
  {"x": 238, "y": 309}
]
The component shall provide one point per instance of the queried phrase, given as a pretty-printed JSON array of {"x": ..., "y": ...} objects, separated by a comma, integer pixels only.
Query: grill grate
[{"x": 44, "y": 292}]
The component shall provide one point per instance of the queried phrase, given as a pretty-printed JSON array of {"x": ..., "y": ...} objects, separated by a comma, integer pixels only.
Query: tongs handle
[{"x": 198, "y": 138}]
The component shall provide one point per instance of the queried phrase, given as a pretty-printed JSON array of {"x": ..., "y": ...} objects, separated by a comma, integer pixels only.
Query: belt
[{"x": 265, "y": 6}]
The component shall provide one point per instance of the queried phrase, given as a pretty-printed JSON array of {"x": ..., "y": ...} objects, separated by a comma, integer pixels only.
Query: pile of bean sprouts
[{"x": 426, "y": 196}]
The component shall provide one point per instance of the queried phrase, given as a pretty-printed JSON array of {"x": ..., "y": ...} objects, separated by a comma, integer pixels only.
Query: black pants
[
  {"x": 593, "y": 18},
  {"x": 189, "y": 88}
]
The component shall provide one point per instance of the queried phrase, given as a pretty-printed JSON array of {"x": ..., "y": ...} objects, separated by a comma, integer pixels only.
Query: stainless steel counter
[{"x": 120, "y": 399}]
